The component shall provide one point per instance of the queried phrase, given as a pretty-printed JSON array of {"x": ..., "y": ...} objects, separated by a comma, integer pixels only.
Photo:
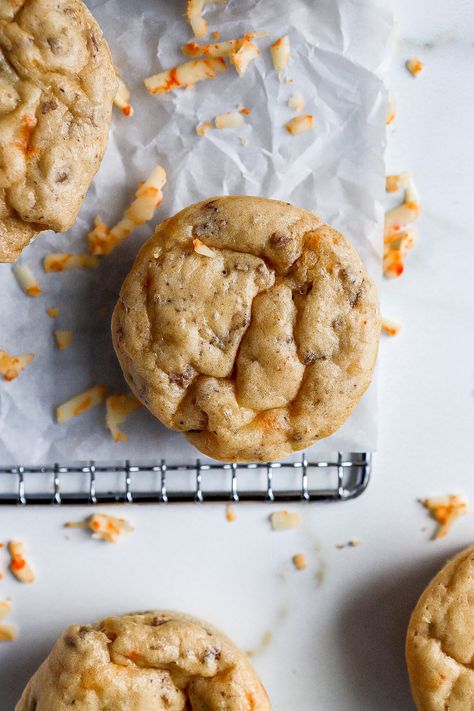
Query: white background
[{"x": 337, "y": 628}]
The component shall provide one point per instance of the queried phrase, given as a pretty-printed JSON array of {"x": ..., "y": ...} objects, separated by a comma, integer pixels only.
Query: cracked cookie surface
[
  {"x": 259, "y": 350},
  {"x": 440, "y": 639},
  {"x": 153, "y": 661},
  {"x": 57, "y": 84}
]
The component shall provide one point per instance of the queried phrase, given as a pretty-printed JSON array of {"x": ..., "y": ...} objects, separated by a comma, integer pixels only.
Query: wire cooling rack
[{"x": 334, "y": 479}]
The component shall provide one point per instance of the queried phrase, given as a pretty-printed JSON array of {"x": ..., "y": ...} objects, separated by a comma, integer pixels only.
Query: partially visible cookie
[
  {"x": 153, "y": 661},
  {"x": 249, "y": 325},
  {"x": 440, "y": 639},
  {"x": 57, "y": 84}
]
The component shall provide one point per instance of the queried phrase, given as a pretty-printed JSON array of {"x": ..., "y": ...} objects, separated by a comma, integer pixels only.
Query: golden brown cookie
[
  {"x": 258, "y": 347},
  {"x": 440, "y": 639},
  {"x": 57, "y": 84},
  {"x": 153, "y": 661}
]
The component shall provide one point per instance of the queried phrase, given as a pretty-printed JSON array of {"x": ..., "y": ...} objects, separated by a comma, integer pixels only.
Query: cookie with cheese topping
[
  {"x": 440, "y": 639},
  {"x": 57, "y": 84},
  {"x": 249, "y": 325},
  {"x": 153, "y": 661}
]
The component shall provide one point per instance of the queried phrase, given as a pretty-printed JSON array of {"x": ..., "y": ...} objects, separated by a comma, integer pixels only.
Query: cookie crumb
[
  {"x": 284, "y": 520},
  {"x": 415, "y": 66},
  {"x": 230, "y": 513},
  {"x": 62, "y": 261},
  {"x": 27, "y": 280},
  {"x": 63, "y": 339},
  {"x": 390, "y": 327},
  {"x": 53, "y": 311},
  {"x": 229, "y": 119},
  {"x": 203, "y": 128},
  {"x": 280, "y": 51},
  {"x": 19, "y": 566},
  {"x": 8, "y": 633},
  {"x": 122, "y": 98},
  {"x": 148, "y": 197},
  {"x": 5, "y": 608},
  {"x": 300, "y": 561},
  {"x": 185, "y": 75},
  {"x": 11, "y": 366},
  {"x": 352, "y": 543},
  {"x": 118, "y": 407},
  {"x": 296, "y": 101},
  {"x": 80, "y": 403},
  {"x": 391, "y": 109},
  {"x": 103, "y": 527},
  {"x": 445, "y": 510},
  {"x": 300, "y": 124}
]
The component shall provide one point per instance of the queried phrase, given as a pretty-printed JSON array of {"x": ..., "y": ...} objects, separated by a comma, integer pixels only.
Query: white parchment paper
[{"x": 339, "y": 51}]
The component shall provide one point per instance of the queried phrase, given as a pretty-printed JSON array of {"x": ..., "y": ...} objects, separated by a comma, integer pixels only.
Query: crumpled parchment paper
[{"x": 339, "y": 54}]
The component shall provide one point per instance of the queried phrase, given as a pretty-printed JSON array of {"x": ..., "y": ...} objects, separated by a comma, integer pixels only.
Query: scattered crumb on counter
[
  {"x": 202, "y": 249},
  {"x": 284, "y": 520},
  {"x": 262, "y": 645},
  {"x": 19, "y": 566},
  {"x": 63, "y": 339},
  {"x": 61, "y": 262},
  {"x": 103, "y": 527},
  {"x": 415, "y": 66},
  {"x": 122, "y": 99},
  {"x": 353, "y": 543},
  {"x": 280, "y": 51},
  {"x": 53, "y": 311},
  {"x": 229, "y": 119},
  {"x": 102, "y": 311},
  {"x": 390, "y": 327},
  {"x": 300, "y": 124},
  {"x": 300, "y": 561},
  {"x": 245, "y": 111},
  {"x": 80, "y": 403},
  {"x": 203, "y": 128},
  {"x": 148, "y": 197},
  {"x": 216, "y": 35},
  {"x": 445, "y": 510},
  {"x": 296, "y": 101},
  {"x": 230, "y": 513},
  {"x": 118, "y": 407},
  {"x": 185, "y": 75},
  {"x": 27, "y": 280}
]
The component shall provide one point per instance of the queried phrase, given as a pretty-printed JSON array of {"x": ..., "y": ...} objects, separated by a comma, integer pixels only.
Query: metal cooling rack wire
[{"x": 340, "y": 478}]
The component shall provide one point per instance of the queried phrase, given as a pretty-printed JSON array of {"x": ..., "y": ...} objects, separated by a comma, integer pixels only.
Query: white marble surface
[{"x": 344, "y": 651}]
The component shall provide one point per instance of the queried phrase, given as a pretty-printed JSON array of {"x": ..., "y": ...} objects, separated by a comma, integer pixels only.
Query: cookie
[
  {"x": 249, "y": 325},
  {"x": 440, "y": 639},
  {"x": 153, "y": 661},
  {"x": 57, "y": 84}
]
